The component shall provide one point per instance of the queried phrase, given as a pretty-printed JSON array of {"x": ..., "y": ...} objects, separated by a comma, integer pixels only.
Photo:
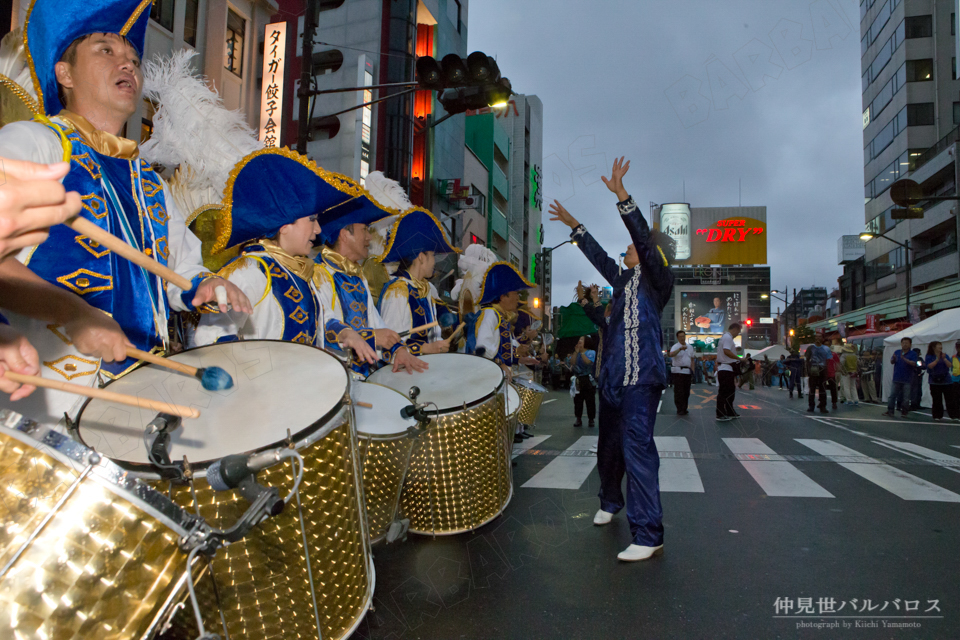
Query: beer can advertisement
[{"x": 714, "y": 235}]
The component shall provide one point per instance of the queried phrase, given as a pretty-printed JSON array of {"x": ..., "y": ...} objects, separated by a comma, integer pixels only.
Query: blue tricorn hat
[
  {"x": 52, "y": 26},
  {"x": 414, "y": 232},
  {"x": 272, "y": 187},
  {"x": 362, "y": 210},
  {"x": 501, "y": 278}
]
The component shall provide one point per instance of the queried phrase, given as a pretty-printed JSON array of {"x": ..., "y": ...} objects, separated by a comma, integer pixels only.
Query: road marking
[
  {"x": 548, "y": 401},
  {"x": 887, "y": 420},
  {"x": 923, "y": 451},
  {"x": 777, "y": 477},
  {"x": 677, "y": 474},
  {"x": 567, "y": 472},
  {"x": 659, "y": 404},
  {"x": 900, "y": 483},
  {"x": 529, "y": 443}
]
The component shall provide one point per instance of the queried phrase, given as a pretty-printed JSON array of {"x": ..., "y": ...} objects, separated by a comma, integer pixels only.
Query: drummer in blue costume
[
  {"x": 84, "y": 57},
  {"x": 274, "y": 203},
  {"x": 345, "y": 293},
  {"x": 499, "y": 299},
  {"x": 632, "y": 374},
  {"x": 407, "y": 299}
]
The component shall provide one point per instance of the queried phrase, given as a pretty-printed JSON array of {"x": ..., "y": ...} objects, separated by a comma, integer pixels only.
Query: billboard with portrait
[{"x": 708, "y": 311}]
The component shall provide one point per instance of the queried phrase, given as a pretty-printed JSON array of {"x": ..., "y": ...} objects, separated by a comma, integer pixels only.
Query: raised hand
[
  {"x": 595, "y": 293},
  {"x": 615, "y": 182},
  {"x": 560, "y": 214}
]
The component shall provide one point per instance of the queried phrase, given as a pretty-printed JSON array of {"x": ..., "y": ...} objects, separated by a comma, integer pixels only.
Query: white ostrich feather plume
[
  {"x": 473, "y": 263},
  {"x": 378, "y": 234},
  {"x": 191, "y": 127},
  {"x": 387, "y": 192},
  {"x": 13, "y": 61}
]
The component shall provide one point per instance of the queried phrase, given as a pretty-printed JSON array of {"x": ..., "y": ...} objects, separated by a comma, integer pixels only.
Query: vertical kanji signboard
[{"x": 271, "y": 100}]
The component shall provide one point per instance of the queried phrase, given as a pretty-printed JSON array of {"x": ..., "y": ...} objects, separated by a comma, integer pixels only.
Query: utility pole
[{"x": 306, "y": 72}]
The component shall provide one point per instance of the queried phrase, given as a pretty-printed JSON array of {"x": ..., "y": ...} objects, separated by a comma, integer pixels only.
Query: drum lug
[{"x": 70, "y": 424}]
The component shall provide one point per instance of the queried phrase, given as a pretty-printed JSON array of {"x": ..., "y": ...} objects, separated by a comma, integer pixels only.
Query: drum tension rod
[{"x": 289, "y": 441}]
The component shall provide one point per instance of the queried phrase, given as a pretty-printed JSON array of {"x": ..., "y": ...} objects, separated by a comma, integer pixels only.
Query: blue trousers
[
  {"x": 899, "y": 397},
  {"x": 626, "y": 446}
]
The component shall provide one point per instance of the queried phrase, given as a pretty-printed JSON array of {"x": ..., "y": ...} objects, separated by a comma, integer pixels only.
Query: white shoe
[
  {"x": 602, "y": 518},
  {"x": 635, "y": 553}
]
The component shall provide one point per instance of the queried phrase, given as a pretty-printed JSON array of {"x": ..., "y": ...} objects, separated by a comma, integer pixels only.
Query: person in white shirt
[
  {"x": 682, "y": 371},
  {"x": 726, "y": 375}
]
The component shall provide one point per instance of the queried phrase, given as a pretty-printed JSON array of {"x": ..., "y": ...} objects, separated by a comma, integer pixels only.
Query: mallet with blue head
[{"x": 212, "y": 378}]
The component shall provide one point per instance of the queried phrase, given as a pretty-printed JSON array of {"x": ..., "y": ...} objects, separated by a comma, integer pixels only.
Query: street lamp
[
  {"x": 784, "y": 300},
  {"x": 867, "y": 236},
  {"x": 540, "y": 267}
]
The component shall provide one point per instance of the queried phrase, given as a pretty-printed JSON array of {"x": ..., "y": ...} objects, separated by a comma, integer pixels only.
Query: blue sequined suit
[
  {"x": 347, "y": 304},
  {"x": 126, "y": 198},
  {"x": 421, "y": 307},
  {"x": 632, "y": 377}
]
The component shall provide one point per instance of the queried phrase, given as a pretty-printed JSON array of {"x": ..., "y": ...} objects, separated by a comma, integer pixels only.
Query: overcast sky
[{"x": 620, "y": 78}]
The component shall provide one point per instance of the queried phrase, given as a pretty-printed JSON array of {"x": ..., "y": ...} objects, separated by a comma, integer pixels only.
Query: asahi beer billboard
[{"x": 714, "y": 235}]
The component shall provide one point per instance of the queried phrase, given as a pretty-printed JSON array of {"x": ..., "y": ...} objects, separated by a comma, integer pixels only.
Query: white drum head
[
  {"x": 453, "y": 379},
  {"x": 513, "y": 399},
  {"x": 529, "y": 384},
  {"x": 384, "y": 418},
  {"x": 276, "y": 386}
]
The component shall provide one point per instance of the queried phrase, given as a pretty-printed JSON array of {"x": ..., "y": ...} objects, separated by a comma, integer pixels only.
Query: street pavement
[{"x": 781, "y": 524}]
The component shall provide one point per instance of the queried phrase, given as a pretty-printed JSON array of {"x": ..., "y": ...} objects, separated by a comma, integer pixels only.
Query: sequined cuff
[
  {"x": 187, "y": 296},
  {"x": 627, "y": 206},
  {"x": 578, "y": 231},
  {"x": 414, "y": 348}
]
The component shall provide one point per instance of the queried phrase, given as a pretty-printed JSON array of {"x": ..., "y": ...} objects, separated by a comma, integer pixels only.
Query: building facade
[{"x": 910, "y": 118}]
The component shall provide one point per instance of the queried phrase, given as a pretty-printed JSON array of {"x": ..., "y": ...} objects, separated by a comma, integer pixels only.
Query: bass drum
[
  {"x": 85, "y": 550},
  {"x": 269, "y": 587},
  {"x": 512, "y": 409},
  {"x": 460, "y": 473},
  {"x": 531, "y": 397},
  {"x": 385, "y": 448}
]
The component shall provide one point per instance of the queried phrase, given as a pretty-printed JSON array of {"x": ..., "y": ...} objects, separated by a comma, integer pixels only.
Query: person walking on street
[
  {"x": 955, "y": 374},
  {"x": 727, "y": 373},
  {"x": 878, "y": 373},
  {"x": 916, "y": 390},
  {"x": 833, "y": 372},
  {"x": 939, "y": 369},
  {"x": 904, "y": 361},
  {"x": 867, "y": 382},
  {"x": 849, "y": 367},
  {"x": 747, "y": 369},
  {"x": 682, "y": 370},
  {"x": 817, "y": 357},
  {"x": 779, "y": 369},
  {"x": 795, "y": 369},
  {"x": 583, "y": 361}
]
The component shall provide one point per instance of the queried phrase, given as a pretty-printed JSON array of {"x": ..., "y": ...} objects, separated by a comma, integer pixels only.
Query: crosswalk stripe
[
  {"x": 677, "y": 474},
  {"x": 923, "y": 451},
  {"x": 566, "y": 472},
  {"x": 777, "y": 477},
  {"x": 900, "y": 483},
  {"x": 529, "y": 443}
]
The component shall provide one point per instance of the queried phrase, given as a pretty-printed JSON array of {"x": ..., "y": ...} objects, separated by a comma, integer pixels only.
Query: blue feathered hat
[
  {"x": 501, "y": 278},
  {"x": 414, "y": 232},
  {"x": 52, "y": 26},
  {"x": 272, "y": 187}
]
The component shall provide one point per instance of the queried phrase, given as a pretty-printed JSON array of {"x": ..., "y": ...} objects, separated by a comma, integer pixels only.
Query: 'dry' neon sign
[{"x": 730, "y": 231}]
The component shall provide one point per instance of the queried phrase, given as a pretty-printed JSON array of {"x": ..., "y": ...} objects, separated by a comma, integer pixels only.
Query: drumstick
[
  {"x": 456, "y": 332},
  {"x": 124, "y": 250},
  {"x": 212, "y": 378},
  {"x": 101, "y": 394},
  {"x": 422, "y": 327},
  {"x": 365, "y": 405}
]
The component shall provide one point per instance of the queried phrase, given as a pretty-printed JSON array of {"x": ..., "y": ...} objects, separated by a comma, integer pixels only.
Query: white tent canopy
[
  {"x": 773, "y": 352},
  {"x": 943, "y": 327}
]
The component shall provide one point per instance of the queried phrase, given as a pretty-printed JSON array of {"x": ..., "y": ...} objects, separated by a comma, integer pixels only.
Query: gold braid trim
[
  {"x": 30, "y": 64},
  {"x": 136, "y": 15},
  {"x": 21, "y": 94}
]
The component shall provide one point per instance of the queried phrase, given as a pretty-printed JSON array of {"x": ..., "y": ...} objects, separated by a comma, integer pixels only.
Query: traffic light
[
  {"x": 463, "y": 84},
  {"x": 749, "y": 322}
]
